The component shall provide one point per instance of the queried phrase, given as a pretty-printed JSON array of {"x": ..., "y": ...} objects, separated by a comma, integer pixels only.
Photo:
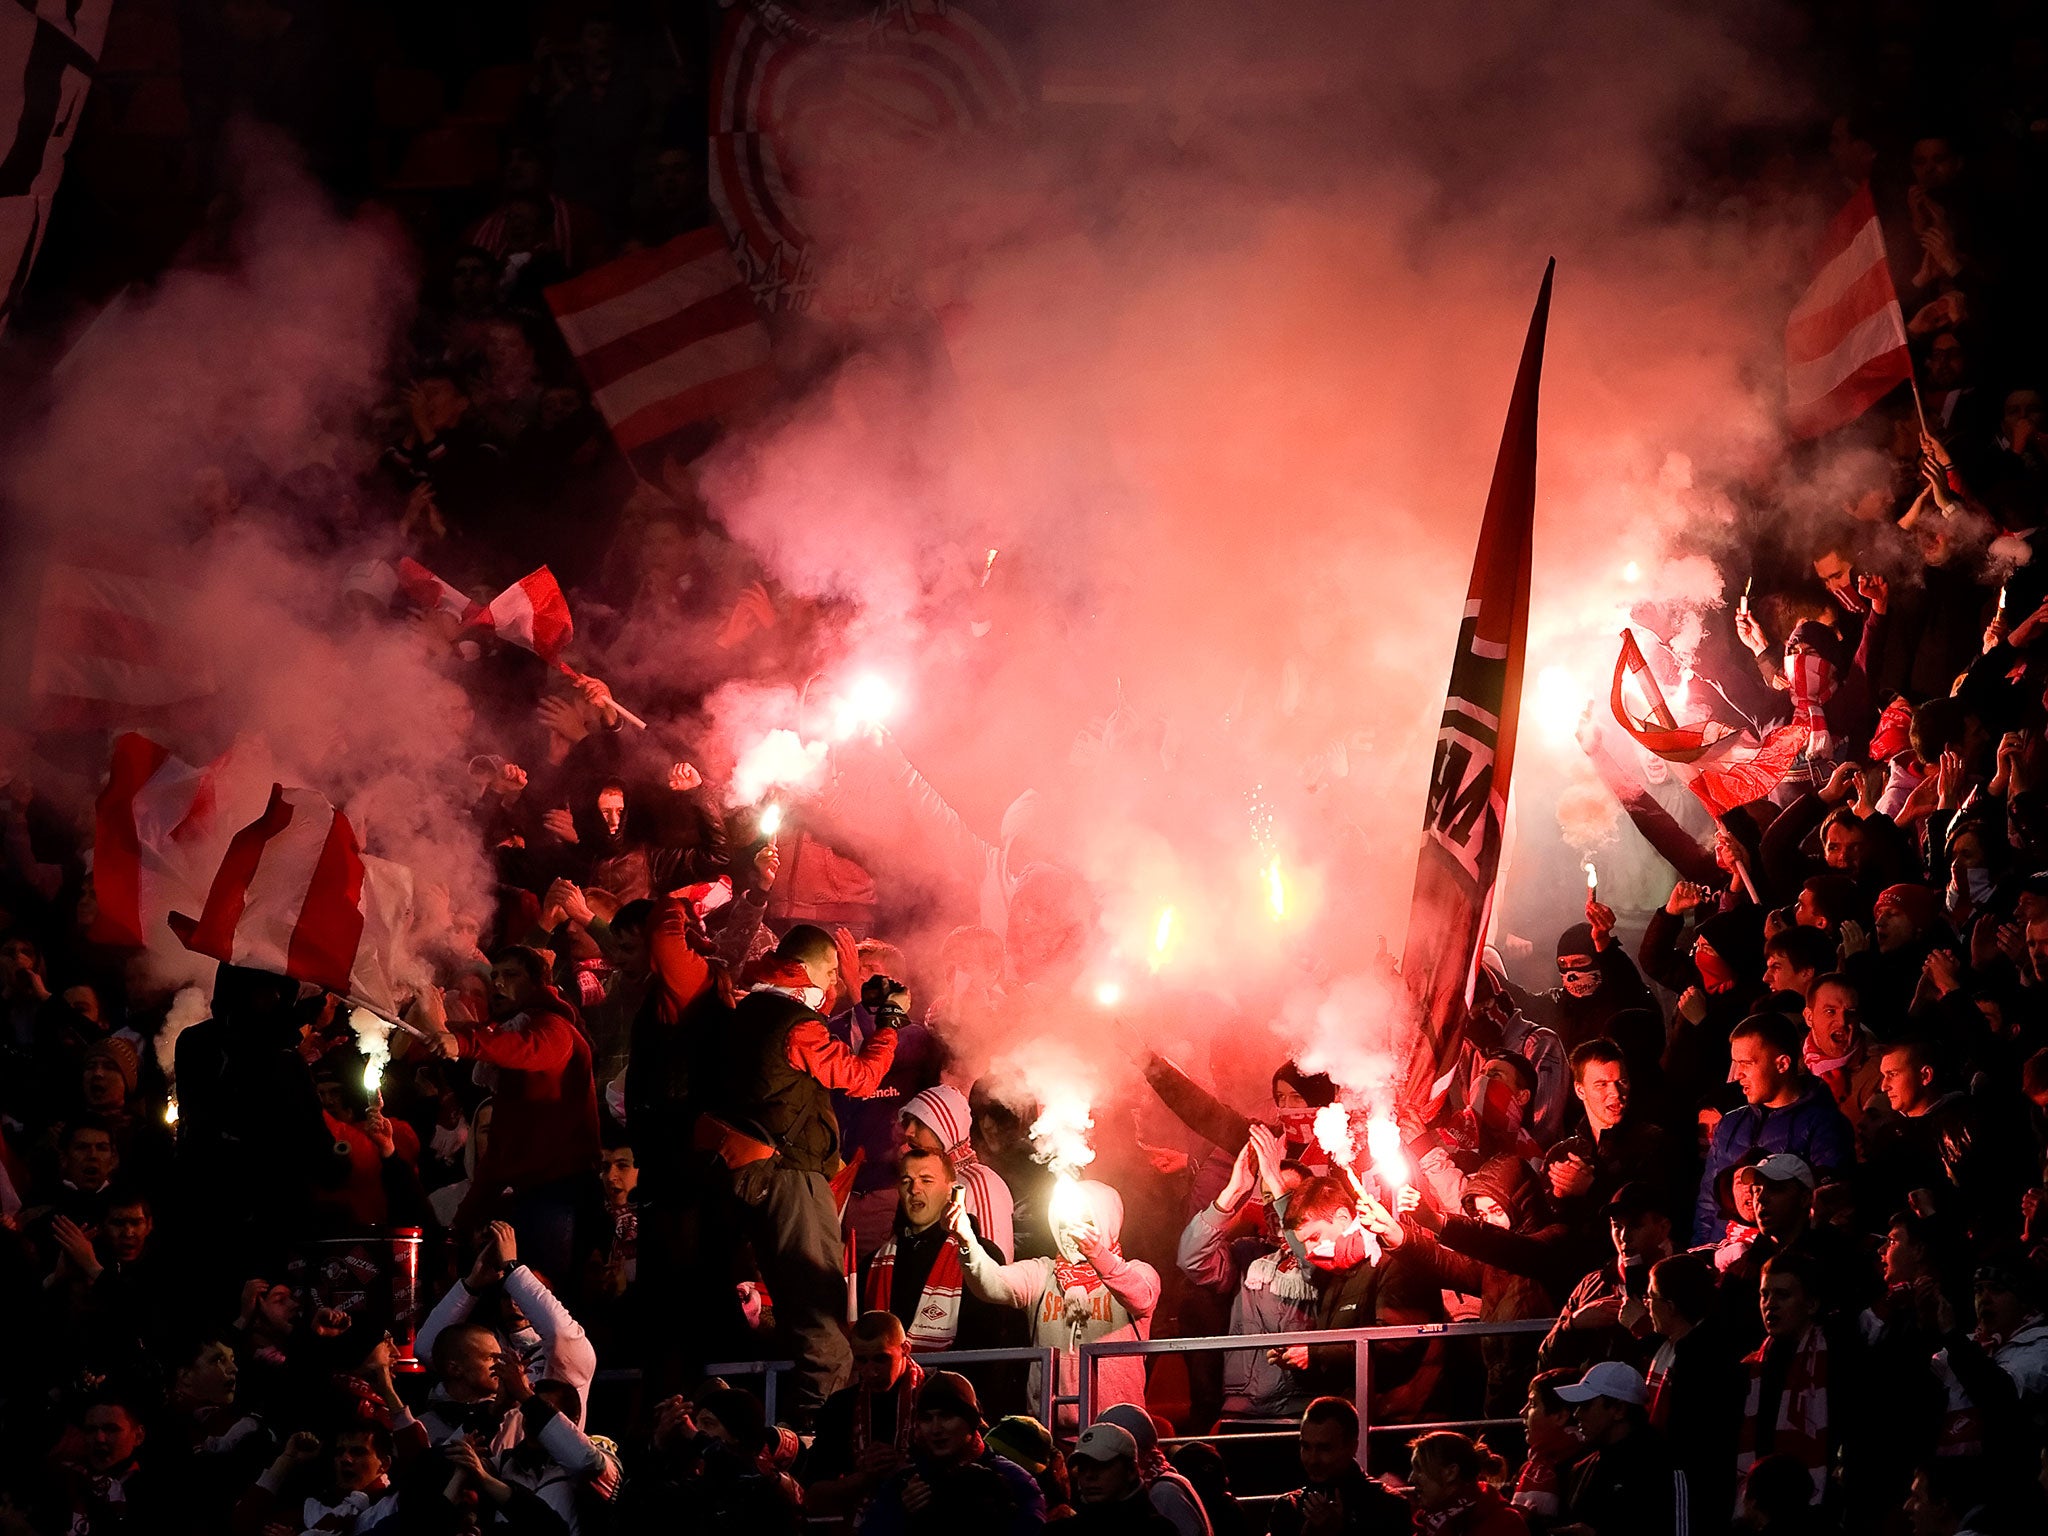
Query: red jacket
[{"x": 543, "y": 1107}]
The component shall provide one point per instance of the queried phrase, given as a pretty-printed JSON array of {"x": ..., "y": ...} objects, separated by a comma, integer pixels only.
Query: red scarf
[
  {"x": 1835, "y": 1071},
  {"x": 1655, "y": 1379},
  {"x": 1082, "y": 1274},
  {"x": 1802, "y": 1409},
  {"x": 1811, "y": 680},
  {"x": 1537, "y": 1488},
  {"x": 905, "y": 1393},
  {"x": 936, "y": 1323}
]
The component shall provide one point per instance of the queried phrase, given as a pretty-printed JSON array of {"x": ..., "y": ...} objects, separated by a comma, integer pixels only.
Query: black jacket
[
  {"x": 765, "y": 1093},
  {"x": 1629, "y": 1488},
  {"x": 1370, "y": 1508}
]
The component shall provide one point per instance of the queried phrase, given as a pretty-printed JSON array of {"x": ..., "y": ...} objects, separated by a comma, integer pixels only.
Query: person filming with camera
[{"x": 782, "y": 1066}]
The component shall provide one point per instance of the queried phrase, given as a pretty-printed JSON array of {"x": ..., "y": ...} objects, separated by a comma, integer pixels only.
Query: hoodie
[
  {"x": 943, "y": 1111},
  {"x": 1074, "y": 1302}
]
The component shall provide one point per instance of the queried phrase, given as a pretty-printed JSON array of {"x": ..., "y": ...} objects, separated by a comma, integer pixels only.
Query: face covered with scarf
[{"x": 1297, "y": 1095}]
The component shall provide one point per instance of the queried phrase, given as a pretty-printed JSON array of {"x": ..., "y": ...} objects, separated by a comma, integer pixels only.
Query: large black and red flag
[{"x": 1475, "y": 747}]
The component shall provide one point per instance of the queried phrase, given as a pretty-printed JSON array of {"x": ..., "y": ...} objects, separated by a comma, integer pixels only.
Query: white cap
[
  {"x": 1108, "y": 1442},
  {"x": 1610, "y": 1378}
]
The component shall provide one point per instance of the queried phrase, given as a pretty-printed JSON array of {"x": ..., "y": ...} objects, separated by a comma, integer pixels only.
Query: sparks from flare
[
  {"x": 1162, "y": 937},
  {"x": 171, "y": 1110}
]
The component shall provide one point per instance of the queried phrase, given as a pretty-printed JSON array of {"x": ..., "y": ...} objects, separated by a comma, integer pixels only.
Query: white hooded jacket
[{"x": 1114, "y": 1300}]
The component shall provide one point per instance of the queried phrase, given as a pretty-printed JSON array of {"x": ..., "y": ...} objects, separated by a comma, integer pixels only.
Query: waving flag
[
  {"x": 117, "y": 643},
  {"x": 430, "y": 594},
  {"x": 668, "y": 339},
  {"x": 159, "y": 828},
  {"x": 1475, "y": 746},
  {"x": 1845, "y": 345},
  {"x": 1725, "y": 765},
  {"x": 295, "y": 896},
  {"x": 531, "y": 614}
]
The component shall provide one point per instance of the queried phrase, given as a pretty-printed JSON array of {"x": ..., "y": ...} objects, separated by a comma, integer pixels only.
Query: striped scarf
[
  {"x": 1801, "y": 1430},
  {"x": 1811, "y": 682},
  {"x": 936, "y": 1322},
  {"x": 1835, "y": 1071},
  {"x": 1655, "y": 1379},
  {"x": 905, "y": 1393},
  {"x": 1537, "y": 1487}
]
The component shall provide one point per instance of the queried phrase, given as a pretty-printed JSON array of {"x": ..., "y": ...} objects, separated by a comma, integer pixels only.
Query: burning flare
[
  {"x": 770, "y": 820},
  {"x": 1383, "y": 1140},
  {"x": 373, "y": 1039},
  {"x": 1276, "y": 889},
  {"x": 1333, "y": 1134},
  {"x": 1108, "y": 994},
  {"x": 866, "y": 705},
  {"x": 1162, "y": 937}
]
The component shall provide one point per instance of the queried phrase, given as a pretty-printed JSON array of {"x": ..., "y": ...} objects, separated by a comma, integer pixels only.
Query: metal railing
[
  {"x": 1051, "y": 1400},
  {"x": 1361, "y": 1341},
  {"x": 1046, "y": 1359},
  {"x": 767, "y": 1370}
]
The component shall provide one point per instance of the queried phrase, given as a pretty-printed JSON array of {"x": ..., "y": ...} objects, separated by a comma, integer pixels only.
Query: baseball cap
[
  {"x": 950, "y": 1390},
  {"x": 1633, "y": 1199},
  {"x": 1783, "y": 1167},
  {"x": 1105, "y": 1442},
  {"x": 1610, "y": 1378}
]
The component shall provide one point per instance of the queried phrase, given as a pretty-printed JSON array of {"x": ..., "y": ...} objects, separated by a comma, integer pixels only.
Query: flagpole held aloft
[{"x": 1466, "y": 811}]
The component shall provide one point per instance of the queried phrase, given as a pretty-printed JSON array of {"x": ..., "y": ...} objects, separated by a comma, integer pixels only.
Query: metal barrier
[
  {"x": 1047, "y": 1361},
  {"x": 767, "y": 1370},
  {"x": 1361, "y": 1341},
  {"x": 1051, "y": 1400}
]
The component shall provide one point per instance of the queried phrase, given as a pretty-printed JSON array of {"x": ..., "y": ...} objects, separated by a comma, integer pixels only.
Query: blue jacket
[{"x": 1811, "y": 1126}]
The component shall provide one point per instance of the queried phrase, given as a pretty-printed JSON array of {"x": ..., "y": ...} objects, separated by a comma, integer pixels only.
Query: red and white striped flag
[
  {"x": 429, "y": 593},
  {"x": 1845, "y": 345},
  {"x": 160, "y": 827},
  {"x": 116, "y": 644},
  {"x": 531, "y": 614},
  {"x": 295, "y": 896},
  {"x": 667, "y": 339},
  {"x": 1725, "y": 765}
]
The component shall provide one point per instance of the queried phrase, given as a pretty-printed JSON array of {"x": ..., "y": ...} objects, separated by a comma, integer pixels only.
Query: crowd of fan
[{"x": 1778, "y": 1178}]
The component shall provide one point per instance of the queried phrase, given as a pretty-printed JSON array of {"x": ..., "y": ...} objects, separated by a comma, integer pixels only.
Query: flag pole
[{"x": 624, "y": 713}]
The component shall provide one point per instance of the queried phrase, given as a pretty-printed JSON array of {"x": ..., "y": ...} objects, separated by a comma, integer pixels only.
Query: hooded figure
[
  {"x": 941, "y": 1115},
  {"x": 1091, "y": 1292},
  {"x": 1594, "y": 984},
  {"x": 1170, "y": 1493},
  {"x": 1723, "y": 959}
]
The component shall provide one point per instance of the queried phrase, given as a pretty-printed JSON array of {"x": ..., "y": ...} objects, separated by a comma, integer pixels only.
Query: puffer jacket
[{"x": 1810, "y": 1127}]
